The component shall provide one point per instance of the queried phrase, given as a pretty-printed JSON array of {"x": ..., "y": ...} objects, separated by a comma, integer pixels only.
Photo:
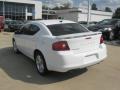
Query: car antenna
[{"x": 61, "y": 19}]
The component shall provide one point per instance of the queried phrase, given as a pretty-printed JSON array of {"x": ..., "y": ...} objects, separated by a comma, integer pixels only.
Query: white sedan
[{"x": 59, "y": 45}]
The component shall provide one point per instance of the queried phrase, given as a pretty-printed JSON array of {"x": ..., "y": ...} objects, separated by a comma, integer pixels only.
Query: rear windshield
[{"x": 64, "y": 29}]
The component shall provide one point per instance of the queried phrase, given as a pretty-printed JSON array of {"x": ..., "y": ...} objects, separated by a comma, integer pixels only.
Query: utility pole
[
  {"x": 48, "y": 10},
  {"x": 4, "y": 8},
  {"x": 89, "y": 12}
]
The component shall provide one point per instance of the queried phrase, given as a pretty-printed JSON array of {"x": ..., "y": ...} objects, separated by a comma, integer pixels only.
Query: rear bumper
[{"x": 65, "y": 62}]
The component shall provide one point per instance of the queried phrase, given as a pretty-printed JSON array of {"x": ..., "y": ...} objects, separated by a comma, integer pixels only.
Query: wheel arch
[{"x": 36, "y": 51}]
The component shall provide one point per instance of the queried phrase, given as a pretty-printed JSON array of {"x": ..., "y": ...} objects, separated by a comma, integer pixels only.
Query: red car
[
  {"x": 1, "y": 23},
  {"x": 1, "y": 26}
]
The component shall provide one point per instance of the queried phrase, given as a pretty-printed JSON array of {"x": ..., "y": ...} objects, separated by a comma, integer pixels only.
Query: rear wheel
[{"x": 41, "y": 64}]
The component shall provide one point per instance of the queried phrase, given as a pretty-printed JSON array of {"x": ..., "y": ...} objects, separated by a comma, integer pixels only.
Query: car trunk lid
[{"x": 82, "y": 42}]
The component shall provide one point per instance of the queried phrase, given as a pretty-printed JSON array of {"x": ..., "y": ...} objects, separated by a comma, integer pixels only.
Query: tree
[
  {"x": 94, "y": 7},
  {"x": 55, "y": 8},
  {"x": 64, "y": 6},
  {"x": 44, "y": 7},
  {"x": 108, "y": 9},
  {"x": 117, "y": 13}
]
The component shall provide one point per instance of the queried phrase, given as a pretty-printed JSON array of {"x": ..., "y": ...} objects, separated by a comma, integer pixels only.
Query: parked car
[
  {"x": 116, "y": 31},
  {"x": 84, "y": 23},
  {"x": 1, "y": 26},
  {"x": 94, "y": 22},
  {"x": 59, "y": 45},
  {"x": 13, "y": 25},
  {"x": 1, "y": 23},
  {"x": 107, "y": 28}
]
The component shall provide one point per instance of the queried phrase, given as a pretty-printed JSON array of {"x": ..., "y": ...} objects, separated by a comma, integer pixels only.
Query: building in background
[
  {"x": 49, "y": 14},
  {"x": 21, "y": 9},
  {"x": 80, "y": 14}
]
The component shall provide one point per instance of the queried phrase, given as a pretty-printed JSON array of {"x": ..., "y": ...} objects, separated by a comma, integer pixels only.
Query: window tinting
[
  {"x": 31, "y": 29},
  {"x": 64, "y": 29},
  {"x": 25, "y": 29}
]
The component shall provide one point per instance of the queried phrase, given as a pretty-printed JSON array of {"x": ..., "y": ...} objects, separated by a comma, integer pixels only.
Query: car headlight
[{"x": 107, "y": 29}]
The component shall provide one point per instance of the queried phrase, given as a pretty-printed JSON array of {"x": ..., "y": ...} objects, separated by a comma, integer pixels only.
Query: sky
[{"x": 101, "y": 4}]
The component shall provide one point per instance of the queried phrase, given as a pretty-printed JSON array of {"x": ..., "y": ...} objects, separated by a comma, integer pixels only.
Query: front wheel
[
  {"x": 41, "y": 64},
  {"x": 15, "y": 47}
]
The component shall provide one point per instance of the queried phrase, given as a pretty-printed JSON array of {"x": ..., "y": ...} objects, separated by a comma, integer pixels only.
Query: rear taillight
[
  {"x": 60, "y": 46},
  {"x": 101, "y": 40}
]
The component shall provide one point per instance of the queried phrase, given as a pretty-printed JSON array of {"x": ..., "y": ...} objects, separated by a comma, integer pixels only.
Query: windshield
[
  {"x": 16, "y": 22},
  {"x": 64, "y": 29},
  {"x": 108, "y": 22}
]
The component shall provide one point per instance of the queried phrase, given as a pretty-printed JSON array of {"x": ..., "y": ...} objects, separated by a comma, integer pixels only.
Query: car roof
[{"x": 52, "y": 22}]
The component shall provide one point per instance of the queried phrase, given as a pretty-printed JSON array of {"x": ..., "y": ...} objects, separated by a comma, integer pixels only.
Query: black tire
[
  {"x": 15, "y": 47},
  {"x": 40, "y": 64}
]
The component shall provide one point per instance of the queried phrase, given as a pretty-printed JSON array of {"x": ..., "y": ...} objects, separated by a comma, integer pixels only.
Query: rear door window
[
  {"x": 30, "y": 29},
  {"x": 33, "y": 29},
  {"x": 65, "y": 29}
]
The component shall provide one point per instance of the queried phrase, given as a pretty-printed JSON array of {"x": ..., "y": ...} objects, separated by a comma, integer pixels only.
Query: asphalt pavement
[{"x": 18, "y": 72}]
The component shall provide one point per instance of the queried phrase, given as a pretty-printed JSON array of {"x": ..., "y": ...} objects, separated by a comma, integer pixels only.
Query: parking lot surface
[{"x": 17, "y": 72}]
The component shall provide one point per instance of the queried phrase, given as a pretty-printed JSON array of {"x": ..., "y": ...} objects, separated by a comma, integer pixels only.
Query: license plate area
[{"x": 90, "y": 58}]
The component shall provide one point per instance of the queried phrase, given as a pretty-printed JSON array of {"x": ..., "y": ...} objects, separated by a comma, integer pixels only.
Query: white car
[{"x": 59, "y": 45}]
